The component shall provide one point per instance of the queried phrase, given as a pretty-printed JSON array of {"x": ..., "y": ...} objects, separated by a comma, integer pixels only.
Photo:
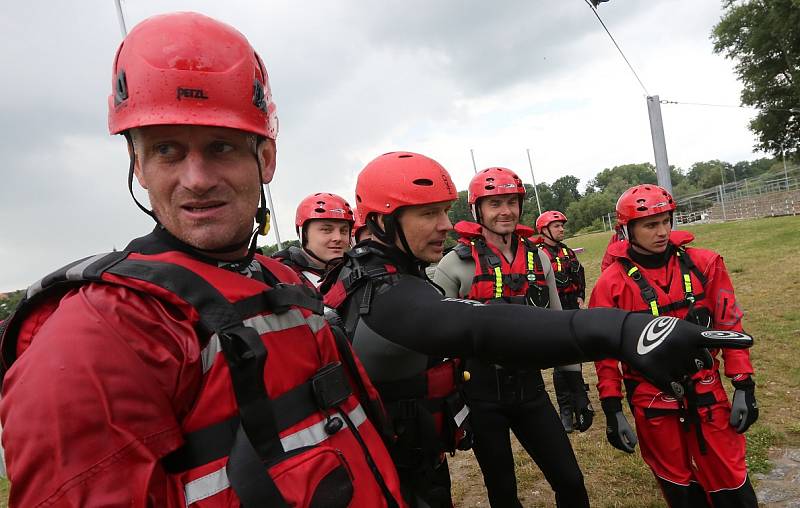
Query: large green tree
[{"x": 763, "y": 37}]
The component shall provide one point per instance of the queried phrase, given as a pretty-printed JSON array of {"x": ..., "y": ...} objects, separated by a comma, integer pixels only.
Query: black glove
[
  {"x": 666, "y": 350},
  {"x": 584, "y": 412},
  {"x": 618, "y": 431},
  {"x": 744, "y": 409}
]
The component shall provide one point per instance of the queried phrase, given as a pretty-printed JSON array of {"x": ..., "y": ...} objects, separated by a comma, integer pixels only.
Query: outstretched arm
[{"x": 414, "y": 315}]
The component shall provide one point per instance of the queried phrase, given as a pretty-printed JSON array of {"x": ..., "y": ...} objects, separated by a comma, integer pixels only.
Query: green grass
[{"x": 763, "y": 258}]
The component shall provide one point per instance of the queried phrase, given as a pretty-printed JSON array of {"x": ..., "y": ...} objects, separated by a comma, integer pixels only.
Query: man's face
[
  {"x": 500, "y": 214},
  {"x": 425, "y": 228},
  {"x": 327, "y": 239},
  {"x": 556, "y": 230},
  {"x": 651, "y": 233},
  {"x": 203, "y": 182}
]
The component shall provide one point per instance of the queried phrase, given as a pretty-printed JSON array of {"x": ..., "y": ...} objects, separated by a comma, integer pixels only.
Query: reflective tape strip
[
  {"x": 687, "y": 283},
  {"x": 461, "y": 416},
  {"x": 217, "y": 481},
  {"x": 74, "y": 273},
  {"x": 315, "y": 434},
  {"x": 264, "y": 324},
  {"x": 558, "y": 264},
  {"x": 498, "y": 282},
  {"x": 632, "y": 270},
  {"x": 654, "y": 308},
  {"x": 530, "y": 261},
  {"x": 206, "y": 486}
]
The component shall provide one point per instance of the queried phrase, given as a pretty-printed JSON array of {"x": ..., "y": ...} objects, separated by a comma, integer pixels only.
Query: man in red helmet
[
  {"x": 360, "y": 231},
  {"x": 494, "y": 262},
  {"x": 573, "y": 403},
  {"x": 323, "y": 222},
  {"x": 693, "y": 445},
  {"x": 187, "y": 370},
  {"x": 402, "y": 326}
]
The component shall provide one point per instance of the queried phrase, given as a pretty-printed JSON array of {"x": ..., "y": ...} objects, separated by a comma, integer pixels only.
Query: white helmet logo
[{"x": 654, "y": 334}]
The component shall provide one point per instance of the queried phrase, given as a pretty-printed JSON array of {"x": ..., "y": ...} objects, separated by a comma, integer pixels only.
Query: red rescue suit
[
  {"x": 708, "y": 451},
  {"x": 122, "y": 366}
]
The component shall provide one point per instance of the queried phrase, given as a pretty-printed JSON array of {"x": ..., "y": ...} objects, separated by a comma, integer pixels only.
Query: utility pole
[
  {"x": 535, "y": 190},
  {"x": 785, "y": 173},
  {"x": 659, "y": 144},
  {"x": 121, "y": 19},
  {"x": 474, "y": 167},
  {"x": 272, "y": 217}
]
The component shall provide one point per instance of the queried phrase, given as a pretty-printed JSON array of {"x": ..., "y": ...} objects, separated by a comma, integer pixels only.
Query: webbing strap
[
  {"x": 649, "y": 294},
  {"x": 246, "y": 355}
]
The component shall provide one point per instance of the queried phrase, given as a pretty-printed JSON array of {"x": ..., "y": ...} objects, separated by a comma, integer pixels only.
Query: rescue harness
[{"x": 251, "y": 439}]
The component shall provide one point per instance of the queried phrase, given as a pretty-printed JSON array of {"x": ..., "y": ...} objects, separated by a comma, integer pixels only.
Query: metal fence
[{"x": 764, "y": 196}]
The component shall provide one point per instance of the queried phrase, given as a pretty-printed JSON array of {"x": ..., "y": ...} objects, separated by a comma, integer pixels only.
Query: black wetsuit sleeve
[
  {"x": 581, "y": 275},
  {"x": 413, "y": 314}
]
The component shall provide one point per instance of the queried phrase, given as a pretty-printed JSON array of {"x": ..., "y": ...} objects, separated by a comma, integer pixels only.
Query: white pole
[
  {"x": 659, "y": 144},
  {"x": 474, "y": 167},
  {"x": 785, "y": 173},
  {"x": 121, "y": 19},
  {"x": 273, "y": 218},
  {"x": 535, "y": 190}
]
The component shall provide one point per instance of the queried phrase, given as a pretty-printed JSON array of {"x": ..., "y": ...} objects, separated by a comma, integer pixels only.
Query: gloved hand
[
  {"x": 584, "y": 412},
  {"x": 666, "y": 350},
  {"x": 618, "y": 431},
  {"x": 744, "y": 409}
]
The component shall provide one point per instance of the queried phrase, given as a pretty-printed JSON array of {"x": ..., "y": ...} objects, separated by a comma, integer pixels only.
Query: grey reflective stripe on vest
[
  {"x": 75, "y": 272},
  {"x": 217, "y": 481},
  {"x": 316, "y": 434},
  {"x": 206, "y": 486},
  {"x": 461, "y": 416},
  {"x": 264, "y": 324}
]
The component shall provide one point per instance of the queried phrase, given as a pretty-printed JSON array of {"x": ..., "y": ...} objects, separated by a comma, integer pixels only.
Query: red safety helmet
[
  {"x": 358, "y": 224},
  {"x": 185, "y": 68},
  {"x": 493, "y": 182},
  {"x": 547, "y": 217},
  {"x": 398, "y": 179},
  {"x": 643, "y": 201},
  {"x": 323, "y": 205}
]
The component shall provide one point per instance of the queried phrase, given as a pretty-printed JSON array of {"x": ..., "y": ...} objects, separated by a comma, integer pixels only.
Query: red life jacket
[
  {"x": 430, "y": 396},
  {"x": 565, "y": 267},
  {"x": 496, "y": 280},
  {"x": 303, "y": 423}
]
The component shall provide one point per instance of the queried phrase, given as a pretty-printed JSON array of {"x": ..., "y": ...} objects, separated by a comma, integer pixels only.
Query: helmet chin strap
[
  {"x": 392, "y": 230},
  {"x": 262, "y": 216}
]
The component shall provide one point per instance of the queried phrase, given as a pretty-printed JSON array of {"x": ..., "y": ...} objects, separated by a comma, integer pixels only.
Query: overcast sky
[{"x": 353, "y": 80}]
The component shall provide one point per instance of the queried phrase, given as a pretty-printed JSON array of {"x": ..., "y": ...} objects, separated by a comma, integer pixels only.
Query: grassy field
[{"x": 763, "y": 258}]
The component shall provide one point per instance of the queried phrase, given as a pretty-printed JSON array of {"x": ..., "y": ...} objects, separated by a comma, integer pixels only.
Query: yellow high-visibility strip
[
  {"x": 558, "y": 263},
  {"x": 654, "y": 308},
  {"x": 687, "y": 283},
  {"x": 632, "y": 271},
  {"x": 530, "y": 261},
  {"x": 498, "y": 282}
]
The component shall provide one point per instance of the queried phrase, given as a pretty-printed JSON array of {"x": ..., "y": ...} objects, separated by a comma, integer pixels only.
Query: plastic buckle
[
  {"x": 649, "y": 294},
  {"x": 330, "y": 386}
]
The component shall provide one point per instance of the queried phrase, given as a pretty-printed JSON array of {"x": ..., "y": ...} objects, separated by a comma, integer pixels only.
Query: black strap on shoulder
[
  {"x": 463, "y": 251},
  {"x": 649, "y": 294},
  {"x": 280, "y": 299},
  {"x": 257, "y": 441}
]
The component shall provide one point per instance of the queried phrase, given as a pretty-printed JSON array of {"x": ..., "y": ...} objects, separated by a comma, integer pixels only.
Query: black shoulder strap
[
  {"x": 645, "y": 289},
  {"x": 463, "y": 251}
]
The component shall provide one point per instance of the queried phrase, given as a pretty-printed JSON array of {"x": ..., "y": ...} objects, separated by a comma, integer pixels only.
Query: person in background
[
  {"x": 323, "y": 222},
  {"x": 494, "y": 262},
  {"x": 573, "y": 402}
]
